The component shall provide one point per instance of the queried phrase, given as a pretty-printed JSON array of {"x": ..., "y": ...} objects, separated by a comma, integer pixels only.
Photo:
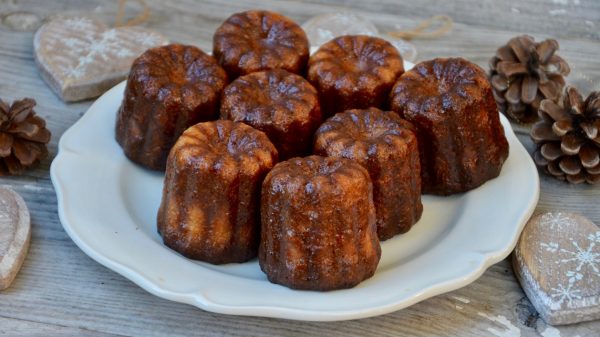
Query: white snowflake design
[
  {"x": 574, "y": 276},
  {"x": 103, "y": 48},
  {"x": 579, "y": 257},
  {"x": 555, "y": 220},
  {"x": 594, "y": 237},
  {"x": 85, "y": 43},
  {"x": 562, "y": 294},
  {"x": 550, "y": 247},
  {"x": 79, "y": 23},
  {"x": 583, "y": 257}
]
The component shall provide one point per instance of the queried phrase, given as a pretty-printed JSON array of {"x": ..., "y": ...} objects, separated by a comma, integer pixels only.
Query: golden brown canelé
[
  {"x": 354, "y": 72},
  {"x": 169, "y": 89},
  {"x": 281, "y": 104},
  {"x": 461, "y": 140},
  {"x": 386, "y": 145},
  {"x": 260, "y": 40},
  {"x": 318, "y": 224},
  {"x": 210, "y": 205}
]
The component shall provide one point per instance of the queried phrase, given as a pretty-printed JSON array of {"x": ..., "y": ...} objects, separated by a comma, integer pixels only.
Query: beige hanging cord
[
  {"x": 420, "y": 31},
  {"x": 141, "y": 18}
]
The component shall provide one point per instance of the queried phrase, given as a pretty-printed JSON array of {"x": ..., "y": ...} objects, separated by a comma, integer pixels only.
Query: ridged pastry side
[
  {"x": 318, "y": 224},
  {"x": 387, "y": 147},
  {"x": 210, "y": 205}
]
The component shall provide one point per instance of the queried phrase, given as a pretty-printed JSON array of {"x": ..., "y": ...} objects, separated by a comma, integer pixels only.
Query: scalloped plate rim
[{"x": 203, "y": 300}]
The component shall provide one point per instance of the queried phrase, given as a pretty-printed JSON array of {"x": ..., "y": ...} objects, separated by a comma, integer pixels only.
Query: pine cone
[
  {"x": 568, "y": 137},
  {"x": 523, "y": 73},
  {"x": 23, "y": 137}
]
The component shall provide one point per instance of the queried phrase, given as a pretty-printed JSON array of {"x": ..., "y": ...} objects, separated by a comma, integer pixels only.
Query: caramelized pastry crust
[
  {"x": 461, "y": 140},
  {"x": 259, "y": 40},
  {"x": 210, "y": 204},
  {"x": 387, "y": 147},
  {"x": 281, "y": 104},
  {"x": 354, "y": 72},
  {"x": 169, "y": 89},
  {"x": 318, "y": 224}
]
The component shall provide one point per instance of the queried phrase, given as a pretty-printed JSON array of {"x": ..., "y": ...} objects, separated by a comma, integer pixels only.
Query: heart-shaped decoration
[
  {"x": 15, "y": 231},
  {"x": 81, "y": 58},
  {"x": 557, "y": 261}
]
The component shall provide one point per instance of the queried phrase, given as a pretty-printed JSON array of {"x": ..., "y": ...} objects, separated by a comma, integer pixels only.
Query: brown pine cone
[
  {"x": 23, "y": 137},
  {"x": 523, "y": 73},
  {"x": 568, "y": 137}
]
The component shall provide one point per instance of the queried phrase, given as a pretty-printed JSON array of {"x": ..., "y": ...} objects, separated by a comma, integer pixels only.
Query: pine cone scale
[
  {"x": 499, "y": 82},
  {"x": 524, "y": 73},
  {"x": 24, "y": 129},
  {"x": 591, "y": 131},
  {"x": 542, "y": 132},
  {"x": 510, "y": 69},
  {"x": 570, "y": 165},
  {"x": 554, "y": 169},
  {"x": 521, "y": 46},
  {"x": 6, "y": 141},
  {"x": 554, "y": 110},
  {"x": 21, "y": 109},
  {"x": 12, "y": 165},
  {"x": 529, "y": 89},
  {"x": 571, "y": 144},
  {"x": 23, "y": 136},
  {"x": 513, "y": 94},
  {"x": 551, "y": 151},
  {"x": 550, "y": 90},
  {"x": 25, "y": 154},
  {"x": 568, "y": 138},
  {"x": 576, "y": 179},
  {"x": 562, "y": 127},
  {"x": 546, "y": 49},
  {"x": 595, "y": 171},
  {"x": 589, "y": 156},
  {"x": 505, "y": 53}
]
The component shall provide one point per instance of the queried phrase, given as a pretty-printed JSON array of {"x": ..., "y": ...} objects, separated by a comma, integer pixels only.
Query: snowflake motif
[
  {"x": 583, "y": 257},
  {"x": 574, "y": 276},
  {"x": 563, "y": 294},
  {"x": 594, "y": 237},
  {"x": 71, "y": 42},
  {"x": 550, "y": 247},
  {"x": 107, "y": 45},
  {"x": 555, "y": 220},
  {"x": 81, "y": 23}
]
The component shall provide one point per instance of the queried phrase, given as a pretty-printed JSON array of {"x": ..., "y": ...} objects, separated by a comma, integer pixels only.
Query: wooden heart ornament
[
  {"x": 81, "y": 58},
  {"x": 15, "y": 231},
  {"x": 557, "y": 261}
]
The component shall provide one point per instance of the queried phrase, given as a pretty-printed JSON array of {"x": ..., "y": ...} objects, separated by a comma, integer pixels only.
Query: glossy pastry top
[
  {"x": 258, "y": 40},
  {"x": 224, "y": 146},
  {"x": 178, "y": 74},
  {"x": 283, "y": 105},
  {"x": 354, "y": 72},
  {"x": 446, "y": 83},
  {"x": 364, "y": 133}
]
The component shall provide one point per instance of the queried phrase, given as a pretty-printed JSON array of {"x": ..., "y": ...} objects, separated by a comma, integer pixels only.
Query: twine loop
[{"x": 141, "y": 18}]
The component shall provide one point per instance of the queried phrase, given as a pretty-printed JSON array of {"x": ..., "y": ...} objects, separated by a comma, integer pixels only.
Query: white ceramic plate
[{"x": 108, "y": 206}]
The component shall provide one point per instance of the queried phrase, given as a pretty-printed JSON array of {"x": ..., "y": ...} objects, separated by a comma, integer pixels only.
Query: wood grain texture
[
  {"x": 61, "y": 291},
  {"x": 15, "y": 233}
]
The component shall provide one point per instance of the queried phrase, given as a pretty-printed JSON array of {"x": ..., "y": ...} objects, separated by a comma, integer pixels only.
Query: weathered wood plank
[
  {"x": 20, "y": 328},
  {"x": 62, "y": 291}
]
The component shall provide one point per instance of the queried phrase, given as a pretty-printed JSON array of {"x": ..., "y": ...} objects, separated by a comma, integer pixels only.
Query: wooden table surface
[{"x": 61, "y": 291}]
